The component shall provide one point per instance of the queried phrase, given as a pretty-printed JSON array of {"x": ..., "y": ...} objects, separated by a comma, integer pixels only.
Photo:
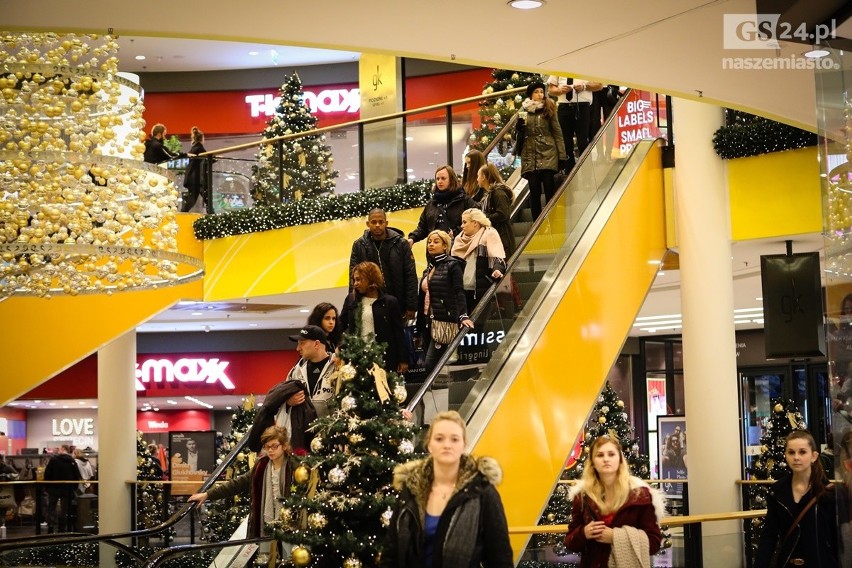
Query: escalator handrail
[
  {"x": 163, "y": 555},
  {"x": 74, "y": 538},
  {"x": 510, "y": 263}
]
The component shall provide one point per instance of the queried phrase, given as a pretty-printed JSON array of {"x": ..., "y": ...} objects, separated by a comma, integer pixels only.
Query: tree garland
[
  {"x": 749, "y": 135},
  {"x": 316, "y": 210}
]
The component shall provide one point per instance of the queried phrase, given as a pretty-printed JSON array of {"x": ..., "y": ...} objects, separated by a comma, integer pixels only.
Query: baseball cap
[{"x": 313, "y": 332}]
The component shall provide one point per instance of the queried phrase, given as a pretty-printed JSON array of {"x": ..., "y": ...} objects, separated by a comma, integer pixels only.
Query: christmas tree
[
  {"x": 222, "y": 517},
  {"x": 306, "y": 163},
  {"x": 607, "y": 417},
  {"x": 495, "y": 113},
  {"x": 343, "y": 499},
  {"x": 771, "y": 464},
  {"x": 149, "y": 496}
]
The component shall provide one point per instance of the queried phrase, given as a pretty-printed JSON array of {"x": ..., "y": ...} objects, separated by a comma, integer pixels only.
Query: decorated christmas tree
[
  {"x": 150, "y": 496},
  {"x": 306, "y": 163},
  {"x": 495, "y": 113},
  {"x": 607, "y": 417},
  {"x": 771, "y": 464},
  {"x": 343, "y": 499},
  {"x": 222, "y": 517}
]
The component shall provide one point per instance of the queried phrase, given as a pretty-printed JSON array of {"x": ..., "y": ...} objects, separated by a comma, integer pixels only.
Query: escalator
[
  {"x": 580, "y": 277},
  {"x": 526, "y": 377}
]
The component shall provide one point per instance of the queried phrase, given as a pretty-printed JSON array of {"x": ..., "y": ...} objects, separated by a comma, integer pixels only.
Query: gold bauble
[
  {"x": 301, "y": 556},
  {"x": 602, "y": 419},
  {"x": 778, "y": 407},
  {"x": 302, "y": 474},
  {"x": 241, "y": 457}
]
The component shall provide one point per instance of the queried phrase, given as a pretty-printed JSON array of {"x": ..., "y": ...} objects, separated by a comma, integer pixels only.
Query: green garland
[
  {"x": 314, "y": 210},
  {"x": 749, "y": 135}
]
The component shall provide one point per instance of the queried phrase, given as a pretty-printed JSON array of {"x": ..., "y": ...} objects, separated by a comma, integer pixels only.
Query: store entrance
[{"x": 805, "y": 384}]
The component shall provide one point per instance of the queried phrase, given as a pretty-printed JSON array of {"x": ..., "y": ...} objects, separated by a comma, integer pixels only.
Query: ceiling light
[
  {"x": 253, "y": 53},
  {"x": 198, "y": 313},
  {"x": 140, "y": 58},
  {"x": 526, "y": 4},
  {"x": 252, "y": 325},
  {"x": 170, "y": 401},
  {"x": 198, "y": 402},
  {"x": 816, "y": 53},
  {"x": 304, "y": 311}
]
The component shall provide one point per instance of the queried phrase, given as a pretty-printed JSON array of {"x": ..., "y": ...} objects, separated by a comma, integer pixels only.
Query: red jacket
[{"x": 643, "y": 509}]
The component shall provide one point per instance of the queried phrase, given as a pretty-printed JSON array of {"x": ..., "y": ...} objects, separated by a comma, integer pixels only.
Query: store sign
[
  {"x": 187, "y": 370},
  {"x": 73, "y": 427},
  {"x": 326, "y": 101},
  {"x": 636, "y": 125}
]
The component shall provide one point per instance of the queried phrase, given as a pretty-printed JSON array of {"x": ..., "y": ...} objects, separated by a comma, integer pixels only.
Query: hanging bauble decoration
[{"x": 337, "y": 475}]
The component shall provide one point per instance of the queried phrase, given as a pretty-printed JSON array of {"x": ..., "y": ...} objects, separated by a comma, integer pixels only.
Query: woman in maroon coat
[{"x": 612, "y": 512}]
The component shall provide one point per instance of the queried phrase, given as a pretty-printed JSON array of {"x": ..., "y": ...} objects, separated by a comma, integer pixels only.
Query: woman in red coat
[{"x": 613, "y": 513}]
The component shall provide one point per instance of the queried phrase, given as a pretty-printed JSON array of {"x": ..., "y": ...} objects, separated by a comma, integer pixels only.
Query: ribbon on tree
[{"x": 381, "y": 377}]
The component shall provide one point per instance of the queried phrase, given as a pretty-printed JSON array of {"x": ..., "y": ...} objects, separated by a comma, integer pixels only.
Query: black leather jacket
[{"x": 442, "y": 212}]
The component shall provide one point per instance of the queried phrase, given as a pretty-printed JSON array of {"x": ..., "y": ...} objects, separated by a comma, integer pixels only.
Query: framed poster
[
  {"x": 671, "y": 436},
  {"x": 192, "y": 457}
]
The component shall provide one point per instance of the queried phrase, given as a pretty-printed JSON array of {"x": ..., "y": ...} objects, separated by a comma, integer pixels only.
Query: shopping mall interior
[{"x": 649, "y": 273}]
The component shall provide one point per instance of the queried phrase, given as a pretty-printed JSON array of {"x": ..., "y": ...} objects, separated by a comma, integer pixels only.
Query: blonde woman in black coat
[{"x": 449, "y": 514}]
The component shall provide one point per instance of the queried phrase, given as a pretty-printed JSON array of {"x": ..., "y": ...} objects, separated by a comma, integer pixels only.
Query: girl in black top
[
  {"x": 791, "y": 540},
  {"x": 325, "y": 316}
]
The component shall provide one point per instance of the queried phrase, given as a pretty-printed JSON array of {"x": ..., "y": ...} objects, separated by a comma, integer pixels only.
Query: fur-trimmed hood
[
  {"x": 657, "y": 499},
  {"x": 417, "y": 475}
]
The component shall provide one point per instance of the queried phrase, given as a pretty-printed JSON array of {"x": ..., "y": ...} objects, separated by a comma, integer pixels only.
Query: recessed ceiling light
[
  {"x": 252, "y": 325},
  {"x": 526, "y": 4},
  {"x": 816, "y": 53},
  {"x": 198, "y": 313},
  {"x": 253, "y": 53},
  {"x": 228, "y": 408},
  {"x": 140, "y": 58},
  {"x": 304, "y": 310}
]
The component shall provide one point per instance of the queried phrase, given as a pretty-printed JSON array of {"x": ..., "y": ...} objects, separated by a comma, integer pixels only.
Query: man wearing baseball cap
[{"x": 295, "y": 402}]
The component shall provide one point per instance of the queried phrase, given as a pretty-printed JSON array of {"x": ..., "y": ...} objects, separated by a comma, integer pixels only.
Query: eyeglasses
[{"x": 272, "y": 447}]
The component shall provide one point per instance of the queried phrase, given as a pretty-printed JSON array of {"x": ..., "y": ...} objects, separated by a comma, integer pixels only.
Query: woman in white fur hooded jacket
[{"x": 614, "y": 516}]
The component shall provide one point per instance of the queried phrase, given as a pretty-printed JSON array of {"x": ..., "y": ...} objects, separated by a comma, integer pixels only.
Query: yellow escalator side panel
[
  {"x": 775, "y": 194},
  {"x": 289, "y": 260},
  {"x": 42, "y": 337},
  {"x": 547, "y": 405}
]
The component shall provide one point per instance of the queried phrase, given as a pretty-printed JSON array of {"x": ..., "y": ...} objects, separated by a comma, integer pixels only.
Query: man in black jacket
[
  {"x": 155, "y": 151},
  {"x": 388, "y": 248},
  {"x": 61, "y": 467}
]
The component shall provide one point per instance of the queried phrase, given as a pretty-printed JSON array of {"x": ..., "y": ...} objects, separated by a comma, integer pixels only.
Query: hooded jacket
[
  {"x": 643, "y": 510},
  {"x": 401, "y": 276},
  {"x": 444, "y": 212},
  {"x": 61, "y": 467},
  {"x": 472, "y": 530},
  {"x": 156, "y": 153},
  {"x": 814, "y": 539}
]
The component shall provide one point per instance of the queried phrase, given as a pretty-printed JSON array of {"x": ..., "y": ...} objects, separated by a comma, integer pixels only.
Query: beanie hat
[{"x": 535, "y": 85}]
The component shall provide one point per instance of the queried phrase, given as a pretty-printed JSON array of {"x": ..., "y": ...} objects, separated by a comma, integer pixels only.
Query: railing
[
  {"x": 230, "y": 170},
  {"x": 692, "y": 553},
  {"x": 67, "y": 543}
]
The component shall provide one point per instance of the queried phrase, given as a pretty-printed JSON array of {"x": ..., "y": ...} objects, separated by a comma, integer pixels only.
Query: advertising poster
[
  {"x": 671, "y": 434},
  {"x": 192, "y": 459}
]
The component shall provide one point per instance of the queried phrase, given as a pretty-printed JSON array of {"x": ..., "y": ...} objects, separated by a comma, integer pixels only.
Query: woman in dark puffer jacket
[{"x": 441, "y": 293}]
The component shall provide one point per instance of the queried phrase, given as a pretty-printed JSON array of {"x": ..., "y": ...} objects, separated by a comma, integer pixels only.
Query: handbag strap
[{"x": 799, "y": 518}]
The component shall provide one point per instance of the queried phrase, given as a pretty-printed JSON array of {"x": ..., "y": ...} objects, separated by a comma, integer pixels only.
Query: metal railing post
[{"x": 449, "y": 119}]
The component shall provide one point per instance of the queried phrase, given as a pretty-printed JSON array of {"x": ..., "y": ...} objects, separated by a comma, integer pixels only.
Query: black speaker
[{"x": 792, "y": 305}]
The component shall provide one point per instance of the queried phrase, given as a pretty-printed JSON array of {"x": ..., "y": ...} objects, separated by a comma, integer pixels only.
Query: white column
[
  {"x": 116, "y": 437},
  {"x": 709, "y": 354}
]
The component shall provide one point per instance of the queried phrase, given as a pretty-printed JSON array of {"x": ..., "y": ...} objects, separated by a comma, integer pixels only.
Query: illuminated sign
[
  {"x": 638, "y": 123},
  {"x": 73, "y": 427},
  {"x": 326, "y": 101},
  {"x": 186, "y": 370}
]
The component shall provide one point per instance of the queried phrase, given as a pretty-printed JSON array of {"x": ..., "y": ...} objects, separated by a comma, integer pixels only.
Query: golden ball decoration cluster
[{"x": 80, "y": 211}]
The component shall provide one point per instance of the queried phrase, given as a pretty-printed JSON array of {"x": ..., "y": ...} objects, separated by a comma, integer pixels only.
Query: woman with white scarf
[
  {"x": 542, "y": 148},
  {"x": 480, "y": 246}
]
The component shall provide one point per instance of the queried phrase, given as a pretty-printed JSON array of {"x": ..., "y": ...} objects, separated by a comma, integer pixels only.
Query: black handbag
[{"x": 520, "y": 136}]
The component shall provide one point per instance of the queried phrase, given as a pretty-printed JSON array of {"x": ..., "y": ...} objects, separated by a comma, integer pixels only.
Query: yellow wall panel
[
  {"x": 547, "y": 405},
  {"x": 775, "y": 194},
  {"x": 41, "y": 337},
  {"x": 293, "y": 259}
]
